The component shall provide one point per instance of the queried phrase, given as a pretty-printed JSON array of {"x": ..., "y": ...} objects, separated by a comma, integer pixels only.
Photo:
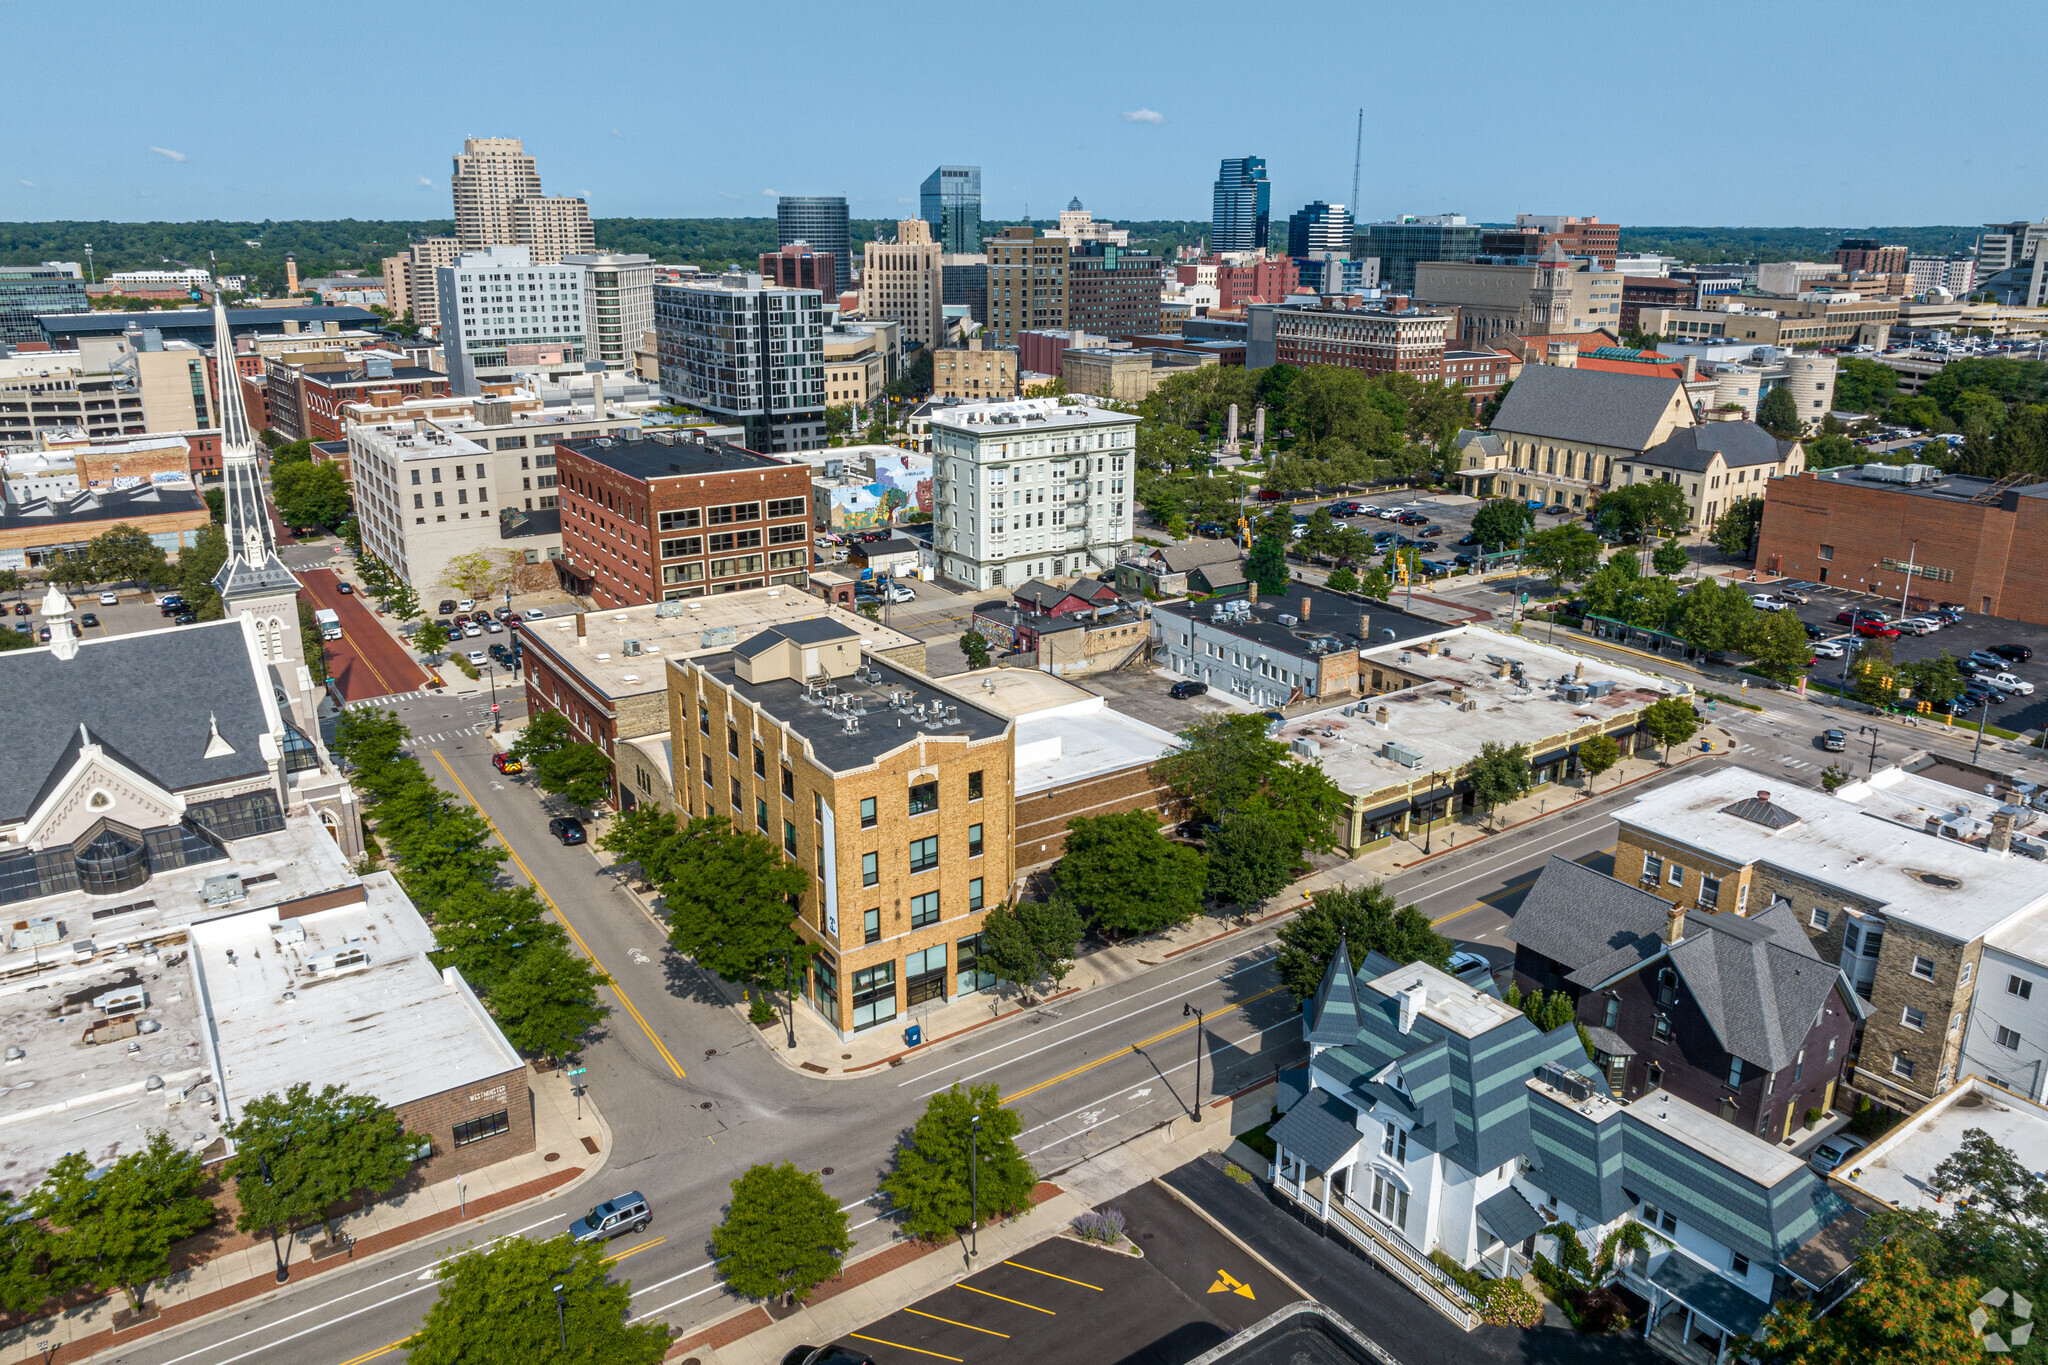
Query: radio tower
[{"x": 1357, "y": 160}]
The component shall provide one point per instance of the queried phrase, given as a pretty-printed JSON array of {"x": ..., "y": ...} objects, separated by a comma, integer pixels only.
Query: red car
[
  {"x": 1872, "y": 629},
  {"x": 1272, "y": 495},
  {"x": 505, "y": 763}
]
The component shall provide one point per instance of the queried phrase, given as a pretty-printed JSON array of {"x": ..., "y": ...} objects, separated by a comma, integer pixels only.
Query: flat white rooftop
[
  {"x": 1899, "y": 1167},
  {"x": 1024, "y": 417},
  {"x": 1430, "y": 721},
  {"x": 1715, "y": 1138},
  {"x": 1869, "y": 838},
  {"x": 404, "y": 441},
  {"x": 340, "y": 996},
  {"x": 1447, "y": 1000}
]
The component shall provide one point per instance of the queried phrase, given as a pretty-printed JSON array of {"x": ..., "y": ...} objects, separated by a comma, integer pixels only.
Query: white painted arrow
[{"x": 1140, "y": 1094}]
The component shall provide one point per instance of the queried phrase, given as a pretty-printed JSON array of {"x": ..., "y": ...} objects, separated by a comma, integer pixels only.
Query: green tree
[
  {"x": 543, "y": 733},
  {"x": 124, "y": 554},
  {"x": 25, "y": 1283},
  {"x": 1490, "y": 409},
  {"x": 1735, "y": 530},
  {"x": 1831, "y": 450},
  {"x": 1369, "y": 920},
  {"x": 1864, "y": 385},
  {"x": 1636, "y": 511},
  {"x": 1778, "y": 414},
  {"x": 440, "y": 845},
  {"x": 1121, "y": 873},
  {"x": 782, "y": 1237},
  {"x": 731, "y": 896},
  {"x": 1716, "y": 616},
  {"x": 1224, "y": 761},
  {"x": 1670, "y": 559},
  {"x": 548, "y": 1003},
  {"x": 1501, "y": 523},
  {"x": 1566, "y": 553},
  {"x": 116, "y": 1232},
  {"x": 1777, "y": 642},
  {"x": 310, "y": 493},
  {"x": 975, "y": 646},
  {"x": 1499, "y": 773},
  {"x": 1901, "y": 1314},
  {"x": 498, "y": 1303},
  {"x": 579, "y": 773},
  {"x": 196, "y": 567},
  {"x": 431, "y": 638},
  {"x": 1597, "y": 755},
  {"x": 483, "y": 931},
  {"x": 838, "y": 419},
  {"x": 929, "y": 1182},
  {"x": 647, "y": 835},
  {"x": 1031, "y": 942},
  {"x": 1267, "y": 564},
  {"x": 1342, "y": 580},
  {"x": 1251, "y": 857},
  {"x": 1375, "y": 585},
  {"x": 1670, "y": 721},
  {"x": 216, "y": 504},
  {"x": 69, "y": 571},
  {"x": 1935, "y": 679},
  {"x": 1546, "y": 1012},
  {"x": 476, "y": 574},
  {"x": 299, "y": 1154}
]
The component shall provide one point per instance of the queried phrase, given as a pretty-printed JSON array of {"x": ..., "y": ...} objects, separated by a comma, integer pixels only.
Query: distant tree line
[{"x": 1709, "y": 244}]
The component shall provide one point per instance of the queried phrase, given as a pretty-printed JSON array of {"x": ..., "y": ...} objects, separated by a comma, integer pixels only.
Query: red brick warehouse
[{"x": 671, "y": 515}]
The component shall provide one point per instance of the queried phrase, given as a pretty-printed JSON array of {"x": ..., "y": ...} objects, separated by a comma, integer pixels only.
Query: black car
[
  {"x": 1464, "y": 561},
  {"x": 1814, "y": 632},
  {"x": 1427, "y": 546},
  {"x": 1214, "y": 530},
  {"x": 1969, "y": 668},
  {"x": 1187, "y": 689},
  {"x": 43, "y": 634},
  {"x": 446, "y": 608},
  {"x": 825, "y": 1355},
  {"x": 187, "y": 618},
  {"x": 21, "y": 609},
  {"x": 567, "y": 828},
  {"x": 2017, "y": 654},
  {"x": 89, "y": 619}
]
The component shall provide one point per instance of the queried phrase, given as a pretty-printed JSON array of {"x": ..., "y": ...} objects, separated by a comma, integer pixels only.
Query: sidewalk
[
  {"x": 567, "y": 1151},
  {"x": 904, "y": 1272}
]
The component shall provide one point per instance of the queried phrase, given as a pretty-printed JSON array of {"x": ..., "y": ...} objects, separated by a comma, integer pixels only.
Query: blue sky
[{"x": 246, "y": 111}]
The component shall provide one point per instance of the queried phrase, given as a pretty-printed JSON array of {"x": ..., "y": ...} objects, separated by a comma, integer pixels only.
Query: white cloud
[
  {"x": 425, "y": 183},
  {"x": 773, "y": 194},
  {"x": 617, "y": 133},
  {"x": 723, "y": 195},
  {"x": 30, "y": 183},
  {"x": 1143, "y": 116},
  {"x": 167, "y": 154}
]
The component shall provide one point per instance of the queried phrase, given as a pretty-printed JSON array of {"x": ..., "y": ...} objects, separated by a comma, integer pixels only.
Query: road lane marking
[
  {"x": 916, "y": 1350},
  {"x": 616, "y": 1257},
  {"x": 380, "y": 1351},
  {"x": 1019, "y": 1302},
  {"x": 707, "y": 1289},
  {"x": 1132, "y": 1048},
  {"x": 985, "y": 1331},
  {"x": 1507, "y": 890},
  {"x": 1226, "y": 1283},
  {"x": 1168, "y": 1071},
  {"x": 540, "y": 890},
  {"x": 1050, "y": 1276}
]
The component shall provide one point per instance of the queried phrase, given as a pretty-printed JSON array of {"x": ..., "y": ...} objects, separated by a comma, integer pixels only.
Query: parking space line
[
  {"x": 1019, "y": 1302},
  {"x": 1050, "y": 1276},
  {"x": 919, "y": 1350},
  {"x": 986, "y": 1331}
]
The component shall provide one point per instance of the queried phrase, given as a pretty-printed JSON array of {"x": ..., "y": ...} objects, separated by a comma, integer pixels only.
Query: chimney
[
  {"x": 1304, "y": 608},
  {"x": 582, "y": 634},
  {"x": 1364, "y": 628},
  {"x": 2001, "y": 833},
  {"x": 1692, "y": 368},
  {"x": 1578, "y": 670},
  {"x": 597, "y": 394},
  {"x": 1412, "y": 1001},
  {"x": 1253, "y": 594},
  {"x": 1381, "y": 715},
  {"x": 1501, "y": 669},
  {"x": 1674, "y": 924}
]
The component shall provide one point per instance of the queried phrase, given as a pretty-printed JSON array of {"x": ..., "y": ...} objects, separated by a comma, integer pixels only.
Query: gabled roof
[
  {"x": 1486, "y": 441},
  {"x": 1222, "y": 575},
  {"x": 1739, "y": 444},
  {"x": 1510, "y": 1216},
  {"x": 1757, "y": 980},
  {"x": 1588, "y": 406},
  {"x": 1041, "y": 594},
  {"x": 1183, "y": 555},
  {"x": 1321, "y": 1128},
  {"x": 1595, "y": 925},
  {"x": 1333, "y": 1013}
]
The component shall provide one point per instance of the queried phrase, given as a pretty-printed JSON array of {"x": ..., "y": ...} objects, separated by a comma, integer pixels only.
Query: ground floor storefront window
[
  {"x": 968, "y": 957},
  {"x": 874, "y": 995},
  {"x": 825, "y": 989},
  {"x": 924, "y": 975}
]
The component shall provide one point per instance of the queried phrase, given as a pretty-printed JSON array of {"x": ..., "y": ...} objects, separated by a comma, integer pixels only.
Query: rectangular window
[
  {"x": 1923, "y": 967},
  {"x": 924, "y": 975},
  {"x": 683, "y": 547},
  {"x": 1738, "y": 1265},
  {"x": 974, "y": 894},
  {"x": 760, "y": 762},
  {"x": 789, "y": 838},
  {"x": 974, "y": 841},
  {"x": 1395, "y": 1143},
  {"x": 924, "y": 909},
  {"x": 2008, "y": 1039},
  {"x": 1662, "y": 1028},
  {"x": 1675, "y": 875},
  {"x": 825, "y": 988},
  {"x": 1873, "y": 942},
  {"x": 785, "y": 507},
  {"x": 1827, "y": 552},
  {"x": 967, "y": 957},
  {"x": 736, "y": 793},
  {"x": 732, "y": 740},
  {"x": 703, "y": 718},
  {"x": 1653, "y": 868},
  {"x": 870, "y": 868},
  {"x": 761, "y": 815},
  {"x": 724, "y": 541},
  {"x": 924, "y": 797},
  {"x": 1902, "y": 1065},
  {"x": 924, "y": 854},
  {"x": 1912, "y": 1018},
  {"x": 788, "y": 783},
  {"x": 974, "y": 785},
  {"x": 2020, "y": 986},
  {"x": 489, "y": 1126},
  {"x": 871, "y": 925},
  {"x": 1735, "y": 1072},
  {"x": 685, "y": 520},
  {"x": 725, "y": 516},
  {"x": 1819, "y": 918},
  {"x": 867, "y": 812},
  {"x": 1612, "y": 1017},
  {"x": 874, "y": 995}
]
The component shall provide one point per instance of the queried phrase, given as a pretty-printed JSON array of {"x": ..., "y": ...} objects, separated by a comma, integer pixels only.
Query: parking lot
[
  {"x": 135, "y": 611},
  {"x": 1063, "y": 1302}
]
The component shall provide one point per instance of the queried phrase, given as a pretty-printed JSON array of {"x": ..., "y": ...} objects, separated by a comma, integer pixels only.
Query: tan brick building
[
  {"x": 905, "y": 281},
  {"x": 1897, "y": 880},
  {"x": 974, "y": 371},
  {"x": 892, "y": 791}
]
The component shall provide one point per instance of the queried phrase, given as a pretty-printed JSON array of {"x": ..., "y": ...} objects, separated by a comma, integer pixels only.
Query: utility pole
[
  {"x": 1906, "y": 593},
  {"x": 1357, "y": 161},
  {"x": 1187, "y": 1008}
]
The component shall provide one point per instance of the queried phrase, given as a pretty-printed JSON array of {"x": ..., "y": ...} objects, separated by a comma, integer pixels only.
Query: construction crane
[{"x": 1357, "y": 160}]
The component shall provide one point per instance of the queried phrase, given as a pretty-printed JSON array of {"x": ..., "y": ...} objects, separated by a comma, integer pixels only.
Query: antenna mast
[{"x": 1357, "y": 160}]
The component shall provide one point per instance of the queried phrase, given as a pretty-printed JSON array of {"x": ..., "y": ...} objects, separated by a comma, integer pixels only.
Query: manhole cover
[
  {"x": 705, "y": 1105},
  {"x": 846, "y": 1056},
  {"x": 825, "y": 1171},
  {"x": 552, "y": 1156}
]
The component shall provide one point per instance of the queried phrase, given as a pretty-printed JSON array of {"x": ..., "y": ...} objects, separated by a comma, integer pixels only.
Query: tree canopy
[
  {"x": 1369, "y": 920},
  {"x": 782, "y": 1236},
  {"x": 114, "y": 1228},
  {"x": 928, "y": 1181},
  {"x": 1029, "y": 942},
  {"x": 497, "y": 1303},
  {"x": 731, "y": 896},
  {"x": 301, "y": 1153},
  {"x": 1122, "y": 874}
]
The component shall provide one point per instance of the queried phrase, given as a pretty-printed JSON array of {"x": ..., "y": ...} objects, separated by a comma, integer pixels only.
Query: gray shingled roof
[
  {"x": 1183, "y": 555},
  {"x": 1593, "y": 407},
  {"x": 1594, "y": 925},
  {"x": 116, "y": 688},
  {"x": 1321, "y": 1128},
  {"x": 1334, "y": 1011},
  {"x": 1757, "y": 980},
  {"x": 1485, "y": 440},
  {"x": 1511, "y": 1217},
  {"x": 1737, "y": 443}
]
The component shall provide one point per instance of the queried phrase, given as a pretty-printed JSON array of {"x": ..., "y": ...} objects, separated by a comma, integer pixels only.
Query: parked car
[
  {"x": 1932, "y": 623},
  {"x": 1833, "y": 1151},
  {"x": 1428, "y": 546},
  {"x": 507, "y": 764},
  {"x": 1769, "y": 604},
  {"x": 345, "y": 589},
  {"x": 43, "y": 634},
  {"x": 477, "y": 658},
  {"x": 2017, "y": 654},
  {"x": 1855, "y": 614},
  {"x": 1558, "y": 509},
  {"x": 471, "y": 630},
  {"x": 1914, "y": 625},
  {"x": 447, "y": 607},
  {"x": 613, "y": 1218},
  {"x": 1814, "y": 632},
  {"x": 1463, "y": 962},
  {"x": 494, "y": 627},
  {"x": 89, "y": 619},
  {"x": 1464, "y": 561},
  {"x": 1994, "y": 662},
  {"x": 567, "y": 828},
  {"x": 186, "y": 618},
  {"x": 1827, "y": 649},
  {"x": 1872, "y": 629},
  {"x": 1786, "y": 594},
  {"x": 1183, "y": 690},
  {"x": 21, "y": 609},
  {"x": 825, "y": 1355},
  {"x": 110, "y": 598},
  {"x": 534, "y": 613},
  {"x": 21, "y": 627},
  {"x": 466, "y": 604},
  {"x": 502, "y": 613},
  {"x": 1978, "y": 690},
  {"x": 897, "y": 592},
  {"x": 2011, "y": 684},
  {"x": 513, "y": 623},
  {"x": 1834, "y": 741},
  {"x": 1271, "y": 495}
]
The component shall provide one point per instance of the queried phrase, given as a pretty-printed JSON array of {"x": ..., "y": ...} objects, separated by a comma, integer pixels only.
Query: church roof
[{"x": 149, "y": 700}]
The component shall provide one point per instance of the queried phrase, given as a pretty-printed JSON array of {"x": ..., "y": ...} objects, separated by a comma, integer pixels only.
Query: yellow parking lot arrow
[{"x": 1226, "y": 1283}]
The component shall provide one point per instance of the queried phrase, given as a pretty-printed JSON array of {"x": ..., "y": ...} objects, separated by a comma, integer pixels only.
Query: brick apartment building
[
  {"x": 308, "y": 402},
  {"x": 1967, "y": 540},
  {"x": 1112, "y": 290},
  {"x": 1651, "y": 291},
  {"x": 1395, "y": 340},
  {"x": 797, "y": 266},
  {"x": 664, "y": 516},
  {"x": 1268, "y": 281}
]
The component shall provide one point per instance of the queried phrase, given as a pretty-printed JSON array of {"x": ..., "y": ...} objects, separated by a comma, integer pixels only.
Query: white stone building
[
  {"x": 503, "y": 315},
  {"x": 618, "y": 304}
]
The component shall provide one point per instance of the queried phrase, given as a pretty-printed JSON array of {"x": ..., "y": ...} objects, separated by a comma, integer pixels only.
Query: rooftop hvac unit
[
  {"x": 1600, "y": 689},
  {"x": 1401, "y": 754},
  {"x": 288, "y": 931},
  {"x": 1575, "y": 693},
  {"x": 1564, "y": 1078},
  {"x": 631, "y": 649},
  {"x": 1306, "y": 748},
  {"x": 337, "y": 960},
  {"x": 122, "y": 1001},
  {"x": 1287, "y": 619},
  {"x": 222, "y": 890}
]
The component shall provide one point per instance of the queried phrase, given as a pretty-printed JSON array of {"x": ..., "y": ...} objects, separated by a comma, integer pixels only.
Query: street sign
[
  {"x": 576, "y": 1070},
  {"x": 494, "y": 708}
]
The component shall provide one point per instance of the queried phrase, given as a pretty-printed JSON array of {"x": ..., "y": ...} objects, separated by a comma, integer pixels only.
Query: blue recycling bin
[{"x": 913, "y": 1035}]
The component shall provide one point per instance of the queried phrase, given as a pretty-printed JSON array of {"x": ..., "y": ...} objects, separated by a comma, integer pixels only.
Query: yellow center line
[
  {"x": 919, "y": 1350},
  {"x": 1019, "y": 1302},
  {"x": 1507, "y": 890},
  {"x": 631, "y": 1251},
  {"x": 542, "y": 892},
  {"x": 380, "y": 1351},
  {"x": 1127, "y": 1051},
  {"x": 1050, "y": 1276},
  {"x": 950, "y": 1323}
]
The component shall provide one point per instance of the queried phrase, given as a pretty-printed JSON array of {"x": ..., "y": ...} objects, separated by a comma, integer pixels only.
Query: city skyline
[{"x": 1118, "y": 129}]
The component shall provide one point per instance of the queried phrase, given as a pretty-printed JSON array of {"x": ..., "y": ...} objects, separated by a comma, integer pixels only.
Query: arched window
[{"x": 110, "y": 858}]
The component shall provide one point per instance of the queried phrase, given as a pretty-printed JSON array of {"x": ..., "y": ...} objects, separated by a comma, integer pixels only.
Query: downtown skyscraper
[
  {"x": 820, "y": 220},
  {"x": 950, "y": 200},
  {"x": 1243, "y": 205}
]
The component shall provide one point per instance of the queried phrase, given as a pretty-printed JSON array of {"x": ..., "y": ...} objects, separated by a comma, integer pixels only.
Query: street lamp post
[
  {"x": 497, "y": 721},
  {"x": 974, "y": 1187},
  {"x": 562, "y": 1315},
  {"x": 1983, "y": 714},
  {"x": 263, "y": 1164},
  {"x": 789, "y": 989},
  {"x": 1187, "y": 1009},
  {"x": 1870, "y": 766}
]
